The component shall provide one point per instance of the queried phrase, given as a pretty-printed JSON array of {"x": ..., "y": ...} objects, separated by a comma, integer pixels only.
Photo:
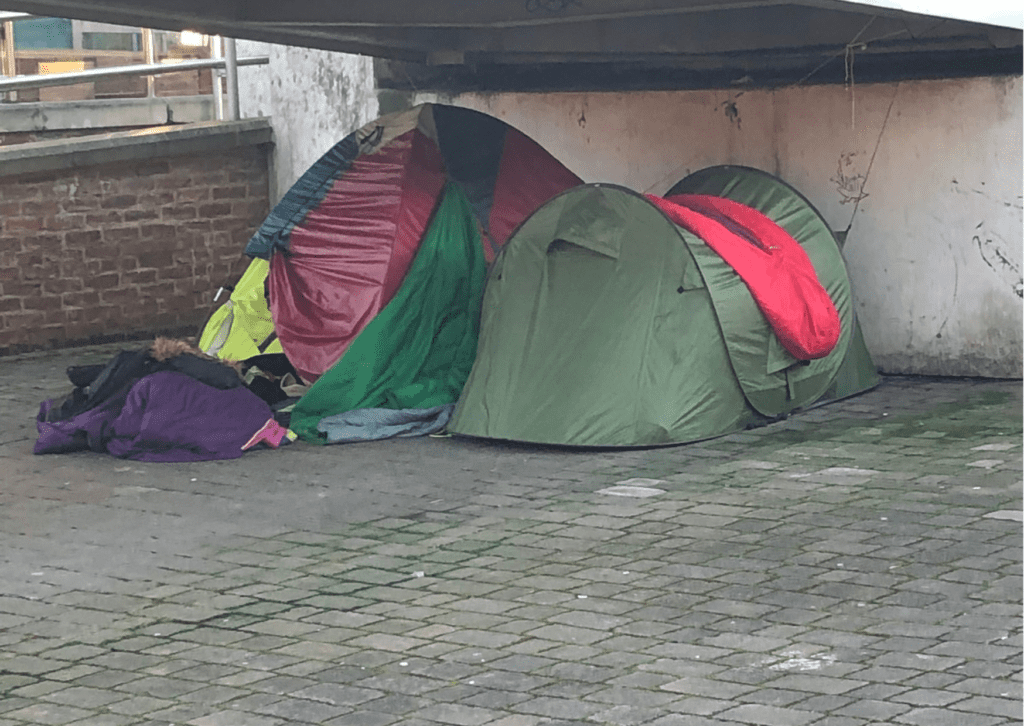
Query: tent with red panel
[
  {"x": 341, "y": 241},
  {"x": 611, "y": 318}
]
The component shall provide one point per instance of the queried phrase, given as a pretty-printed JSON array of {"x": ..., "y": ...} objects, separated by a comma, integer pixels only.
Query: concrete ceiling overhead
[{"x": 594, "y": 43}]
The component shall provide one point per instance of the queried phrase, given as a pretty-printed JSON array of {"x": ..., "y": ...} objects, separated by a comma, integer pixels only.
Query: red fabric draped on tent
[{"x": 772, "y": 264}]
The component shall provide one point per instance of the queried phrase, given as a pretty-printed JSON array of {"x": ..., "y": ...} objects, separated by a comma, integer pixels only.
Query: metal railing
[
  {"x": 225, "y": 61},
  {"x": 22, "y": 83}
]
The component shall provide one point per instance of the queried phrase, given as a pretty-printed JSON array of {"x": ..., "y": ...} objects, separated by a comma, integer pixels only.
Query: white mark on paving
[
  {"x": 134, "y": 490},
  {"x": 797, "y": 661},
  {"x": 986, "y": 463},
  {"x": 994, "y": 447},
  {"x": 752, "y": 464},
  {"x": 640, "y": 482},
  {"x": 631, "y": 488},
  {"x": 847, "y": 471},
  {"x": 1011, "y": 514}
]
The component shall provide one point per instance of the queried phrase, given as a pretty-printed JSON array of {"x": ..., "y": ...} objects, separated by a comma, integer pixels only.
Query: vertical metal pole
[
  {"x": 217, "y": 51},
  {"x": 7, "y": 65},
  {"x": 231, "y": 77},
  {"x": 149, "y": 51}
]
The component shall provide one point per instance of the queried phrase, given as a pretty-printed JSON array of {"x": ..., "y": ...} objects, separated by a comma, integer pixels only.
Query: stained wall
[{"x": 927, "y": 176}]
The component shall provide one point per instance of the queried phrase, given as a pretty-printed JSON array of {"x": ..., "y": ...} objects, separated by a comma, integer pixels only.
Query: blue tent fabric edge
[{"x": 304, "y": 195}]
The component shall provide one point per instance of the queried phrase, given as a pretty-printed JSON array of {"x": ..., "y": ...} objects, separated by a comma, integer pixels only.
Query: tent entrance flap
[{"x": 591, "y": 222}]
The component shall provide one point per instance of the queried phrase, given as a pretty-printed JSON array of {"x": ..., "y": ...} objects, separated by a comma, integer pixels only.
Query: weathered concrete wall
[
  {"x": 935, "y": 249},
  {"x": 314, "y": 99},
  {"x": 126, "y": 243}
]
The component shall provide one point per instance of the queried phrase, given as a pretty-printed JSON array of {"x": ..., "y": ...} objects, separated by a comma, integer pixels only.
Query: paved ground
[{"x": 859, "y": 564}]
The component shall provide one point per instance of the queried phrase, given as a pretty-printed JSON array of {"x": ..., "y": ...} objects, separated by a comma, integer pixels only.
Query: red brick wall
[{"x": 124, "y": 250}]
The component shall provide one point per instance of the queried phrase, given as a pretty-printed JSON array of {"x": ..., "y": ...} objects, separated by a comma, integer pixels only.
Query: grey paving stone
[
  {"x": 31, "y": 665},
  {"x": 706, "y": 687},
  {"x": 840, "y": 721},
  {"x": 82, "y": 697},
  {"x": 823, "y": 704},
  {"x": 929, "y": 697},
  {"x": 160, "y": 687},
  {"x": 985, "y": 669},
  {"x": 496, "y": 700},
  {"x": 771, "y": 697},
  {"x": 873, "y": 710},
  {"x": 47, "y": 713},
  {"x": 769, "y": 715},
  {"x": 919, "y": 661},
  {"x": 138, "y": 705},
  {"x": 213, "y": 694},
  {"x": 990, "y": 687},
  {"x": 337, "y": 695},
  {"x": 567, "y": 689},
  {"x": 255, "y": 702},
  {"x": 106, "y": 678},
  {"x": 299, "y": 710},
  {"x": 403, "y": 683},
  {"x": 558, "y": 708},
  {"x": 103, "y": 719},
  {"x": 626, "y": 715},
  {"x": 817, "y": 684},
  {"x": 38, "y": 688},
  {"x": 234, "y": 718},
  {"x": 1005, "y": 707},
  {"x": 457, "y": 714},
  {"x": 944, "y": 717}
]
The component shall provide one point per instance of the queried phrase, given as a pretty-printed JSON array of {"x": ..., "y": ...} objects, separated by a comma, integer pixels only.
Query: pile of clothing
[{"x": 166, "y": 402}]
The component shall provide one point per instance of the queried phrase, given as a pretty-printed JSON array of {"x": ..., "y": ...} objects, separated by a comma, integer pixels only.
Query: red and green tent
[{"x": 341, "y": 241}]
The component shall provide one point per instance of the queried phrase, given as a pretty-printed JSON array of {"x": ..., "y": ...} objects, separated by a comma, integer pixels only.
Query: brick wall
[{"x": 124, "y": 250}]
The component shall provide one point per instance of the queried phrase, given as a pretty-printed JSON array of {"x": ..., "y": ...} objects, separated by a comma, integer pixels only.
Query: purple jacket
[{"x": 165, "y": 416}]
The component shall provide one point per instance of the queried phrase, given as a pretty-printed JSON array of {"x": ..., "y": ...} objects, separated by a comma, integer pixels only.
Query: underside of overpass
[{"x": 453, "y": 45}]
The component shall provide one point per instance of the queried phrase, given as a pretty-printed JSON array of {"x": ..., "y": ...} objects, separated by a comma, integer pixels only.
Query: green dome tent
[{"x": 604, "y": 323}]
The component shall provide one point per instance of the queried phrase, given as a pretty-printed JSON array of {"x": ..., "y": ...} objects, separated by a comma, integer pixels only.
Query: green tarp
[{"x": 418, "y": 351}]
